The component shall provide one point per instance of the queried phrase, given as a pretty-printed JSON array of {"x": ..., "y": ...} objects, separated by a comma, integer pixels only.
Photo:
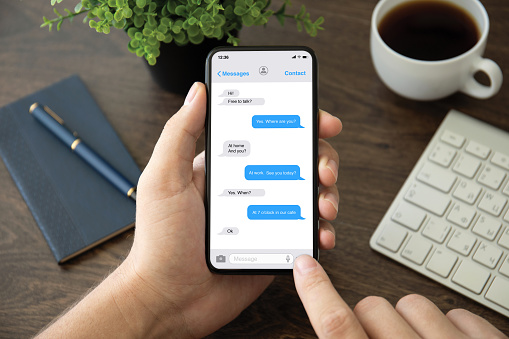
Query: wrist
[{"x": 145, "y": 311}]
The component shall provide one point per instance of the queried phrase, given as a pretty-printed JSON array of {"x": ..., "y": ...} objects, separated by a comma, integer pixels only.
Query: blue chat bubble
[
  {"x": 274, "y": 212},
  {"x": 276, "y": 121},
  {"x": 272, "y": 172}
]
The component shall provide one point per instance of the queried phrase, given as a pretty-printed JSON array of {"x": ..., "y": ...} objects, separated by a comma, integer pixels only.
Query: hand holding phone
[{"x": 262, "y": 185}]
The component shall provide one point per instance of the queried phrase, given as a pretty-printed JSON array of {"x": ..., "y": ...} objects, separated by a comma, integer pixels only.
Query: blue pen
[{"x": 55, "y": 125}]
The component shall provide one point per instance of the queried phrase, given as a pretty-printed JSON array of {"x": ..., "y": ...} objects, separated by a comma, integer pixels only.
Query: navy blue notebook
[{"x": 74, "y": 207}]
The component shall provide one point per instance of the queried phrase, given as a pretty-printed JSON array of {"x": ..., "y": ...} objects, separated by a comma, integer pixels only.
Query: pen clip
[{"x": 47, "y": 110}]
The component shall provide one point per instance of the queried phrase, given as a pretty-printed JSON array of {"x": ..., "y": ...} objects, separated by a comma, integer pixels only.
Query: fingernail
[
  {"x": 332, "y": 199},
  {"x": 333, "y": 167},
  {"x": 304, "y": 264},
  {"x": 191, "y": 94}
]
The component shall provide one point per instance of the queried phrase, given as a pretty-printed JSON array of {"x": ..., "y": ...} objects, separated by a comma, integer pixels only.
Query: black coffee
[{"x": 429, "y": 30}]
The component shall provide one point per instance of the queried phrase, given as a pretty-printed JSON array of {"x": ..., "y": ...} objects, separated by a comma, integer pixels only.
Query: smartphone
[{"x": 261, "y": 159}]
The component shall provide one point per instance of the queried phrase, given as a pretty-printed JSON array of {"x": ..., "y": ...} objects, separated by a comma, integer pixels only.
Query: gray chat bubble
[
  {"x": 230, "y": 93},
  {"x": 236, "y": 148},
  {"x": 242, "y": 101},
  {"x": 229, "y": 231},
  {"x": 237, "y": 192}
]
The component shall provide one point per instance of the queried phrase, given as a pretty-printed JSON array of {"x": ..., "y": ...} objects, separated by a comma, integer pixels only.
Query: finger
[
  {"x": 425, "y": 318},
  {"x": 328, "y": 125},
  {"x": 326, "y": 235},
  {"x": 473, "y": 325},
  {"x": 380, "y": 320},
  {"x": 172, "y": 160},
  {"x": 328, "y": 160},
  {"x": 329, "y": 314},
  {"x": 199, "y": 173},
  {"x": 328, "y": 202}
]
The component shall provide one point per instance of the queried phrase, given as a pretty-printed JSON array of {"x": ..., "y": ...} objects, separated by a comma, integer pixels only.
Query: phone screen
[{"x": 261, "y": 159}]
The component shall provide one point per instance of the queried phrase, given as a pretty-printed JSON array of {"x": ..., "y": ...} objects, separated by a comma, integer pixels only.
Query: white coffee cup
[{"x": 431, "y": 80}]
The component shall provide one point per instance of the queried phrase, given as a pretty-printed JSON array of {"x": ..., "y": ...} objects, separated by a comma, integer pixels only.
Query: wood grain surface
[{"x": 382, "y": 139}]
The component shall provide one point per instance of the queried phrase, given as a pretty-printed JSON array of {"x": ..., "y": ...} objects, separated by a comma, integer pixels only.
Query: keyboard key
[
  {"x": 437, "y": 177},
  {"x": 462, "y": 242},
  {"x": 471, "y": 276},
  {"x": 498, "y": 292},
  {"x": 442, "y": 155},
  {"x": 506, "y": 189},
  {"x": 392, "y": 237},
  {"x": 491, "y": 177},
  {"x": 461, "y": 215},
  {"x": 428, "y": 198},
  {"x": 452, "y": 139},
  {"x": 501, "y": 160},
  {"x": 504, "y": 238},
  {"x": 467, "y": 165},
  {"x": 436, "y": 230},
  {"x": 409, "y": 216},
  {"x": 478, "y": 150},
  {"x": 504, "y": 268},
  {"x": 506, "y": 216},
  {"x": 442, "y": 263},
  {"x": 487, "y": 254},
  {"x": 467, "y": 191},
  {"x": 416, "y": 250},
  {"x": 487, "y": 227},
  {"x": 492, "y": 203}
]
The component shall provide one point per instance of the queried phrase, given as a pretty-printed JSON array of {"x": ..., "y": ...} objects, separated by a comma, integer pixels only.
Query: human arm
[
  {"x": 414, "y": 316},
  {"x": 164, "y": 285}
]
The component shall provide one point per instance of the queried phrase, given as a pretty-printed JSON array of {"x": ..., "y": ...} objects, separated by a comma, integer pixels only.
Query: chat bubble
[
  {"x": 272, "y": 172},
  {"x": 242, "y": 101},
  {"x": 274, "y": 212},
  {"x": 236, "y": 148},
  {"x": 229, "y": 231},
  {"x": 243, "y": 193},
  {"x": 276, "y": 121},
  {"x": 230, "y": 93}
]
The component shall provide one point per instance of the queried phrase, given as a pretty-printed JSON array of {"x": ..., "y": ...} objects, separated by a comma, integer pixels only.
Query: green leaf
[
  {"x": 138, "y": 11},
  {"x": 141, "y": 3},
  {"x": 255, "y": 12},
  {"x": 247, "y": 20},
  {"x": 193, "y": 31},
  {"x": 151, "y": 60},
  {"x": 78, "y": 7},
  {"x": 180, "y": 10},
  {"x": 239, "y": 11},
  {"x": 166, "y": 22},
  {"x": 197, "y": 39},
  {"x": 127, "y": 12},
  {"x": 160, "y": 36},
  {"x": 168, "y": 39}
]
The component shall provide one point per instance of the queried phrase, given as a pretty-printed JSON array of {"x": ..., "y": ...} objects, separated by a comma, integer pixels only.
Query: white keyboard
[{"x": 450, "y": 220}]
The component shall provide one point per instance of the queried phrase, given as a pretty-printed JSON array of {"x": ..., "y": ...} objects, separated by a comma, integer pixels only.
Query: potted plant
[{"x": 182, "y": 31}]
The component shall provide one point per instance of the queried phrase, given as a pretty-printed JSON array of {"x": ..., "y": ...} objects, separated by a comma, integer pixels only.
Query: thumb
[{"x": 171, "y": 163}]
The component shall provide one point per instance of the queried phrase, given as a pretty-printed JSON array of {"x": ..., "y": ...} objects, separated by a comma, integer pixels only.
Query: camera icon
[{"x": 220, "y": 258}]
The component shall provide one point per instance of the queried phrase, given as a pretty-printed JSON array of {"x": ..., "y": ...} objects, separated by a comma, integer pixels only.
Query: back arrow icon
[{"x": 219, "y": 73}]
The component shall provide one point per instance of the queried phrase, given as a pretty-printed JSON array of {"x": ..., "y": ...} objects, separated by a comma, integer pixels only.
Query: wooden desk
[{"x": 383, "y": 137}]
